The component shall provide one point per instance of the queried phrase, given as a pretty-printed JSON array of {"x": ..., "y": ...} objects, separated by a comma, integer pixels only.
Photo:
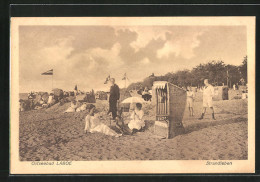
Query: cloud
[
  {"x": 160, "y": 43},
  {"x": 145, "y": 36},
  {"x": 88, "y": 37},
  {"x": 169, "y": 48},
  {"x": 104, "y": 59},
  {"x": 57, "y": 53},
  {"x": 180, "y": 46},
  {"x": 145, "y": 61},
  {"x": 125, "y": 37},
  {"x": 150, "y": 50},
  {"x": 92, "y": 64},
  {"x": 85, "y": 55}
]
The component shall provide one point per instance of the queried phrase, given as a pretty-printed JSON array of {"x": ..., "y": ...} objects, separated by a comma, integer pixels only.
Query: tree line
[{"x": 217, "y": 72}]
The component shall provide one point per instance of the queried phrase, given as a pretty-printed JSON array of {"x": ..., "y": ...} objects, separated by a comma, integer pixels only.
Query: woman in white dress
[
  {"x": 73, "y": 106},
  {"x": 94, "y": 125},
  {"x": 136, "y": 117}
]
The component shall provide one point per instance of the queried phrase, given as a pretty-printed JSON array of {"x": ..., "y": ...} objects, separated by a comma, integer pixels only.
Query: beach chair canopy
[{"x": 159, "y": 84}]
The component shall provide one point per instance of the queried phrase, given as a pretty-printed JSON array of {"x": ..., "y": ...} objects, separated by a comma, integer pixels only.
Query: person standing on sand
[
  {"x": 113, "y": 98},
  {"x": 190, "y": 99},
  {"x": 234, "y": 87},
  {"x": 208, "y": 93}
]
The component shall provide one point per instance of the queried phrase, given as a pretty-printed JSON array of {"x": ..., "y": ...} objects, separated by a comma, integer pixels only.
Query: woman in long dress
[
  {"x": 136, "y": 117},
  {"x": 94, "y": 125}
]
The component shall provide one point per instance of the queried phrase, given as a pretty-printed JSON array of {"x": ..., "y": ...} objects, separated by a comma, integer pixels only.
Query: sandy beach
[{"x": 50, "y": 134}]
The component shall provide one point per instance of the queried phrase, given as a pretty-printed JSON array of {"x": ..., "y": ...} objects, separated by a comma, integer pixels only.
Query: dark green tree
[
  {"x": 243, "y": 69},
  {"x": 216, "y": 71}
]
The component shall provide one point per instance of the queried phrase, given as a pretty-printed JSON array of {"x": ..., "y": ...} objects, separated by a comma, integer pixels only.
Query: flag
[
  {"x": 107, "y": 79},
  {"x": 124, "y": 78},
  {"x": 152, "y": 75},
  {"x": 76, "y": 87},
  {"x": 50, "y": 72}
]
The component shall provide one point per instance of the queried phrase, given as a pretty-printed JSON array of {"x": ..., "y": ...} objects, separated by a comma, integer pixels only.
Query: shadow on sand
[{"x": 202, "y": 125}]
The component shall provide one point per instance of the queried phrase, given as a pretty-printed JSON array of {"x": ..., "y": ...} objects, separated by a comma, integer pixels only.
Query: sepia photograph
[{"x": 131, "y": 95}]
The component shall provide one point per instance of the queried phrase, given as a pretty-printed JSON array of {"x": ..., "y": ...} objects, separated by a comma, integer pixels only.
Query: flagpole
[
  {"x": 52, "y": 81},
  {"x": 125, "y": 82},
  {"x": 50, "y": 72}
]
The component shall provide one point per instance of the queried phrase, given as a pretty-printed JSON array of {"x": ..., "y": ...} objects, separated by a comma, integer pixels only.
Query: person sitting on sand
[
  {"x": 146, "y": 94},
  {"x": 190, "y": 99},
  {"x": 94, "y": 125},
  {"x": 121, "y": 125},
  {"x": 137, "y": 122},
  {"x": 73, "y": 106}
]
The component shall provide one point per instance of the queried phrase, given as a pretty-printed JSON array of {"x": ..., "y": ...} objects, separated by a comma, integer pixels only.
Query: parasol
[{"x": 133, "y": 100}]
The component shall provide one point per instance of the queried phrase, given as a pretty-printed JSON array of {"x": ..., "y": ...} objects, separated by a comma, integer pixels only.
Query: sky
[{"x": 86, "y": 55}]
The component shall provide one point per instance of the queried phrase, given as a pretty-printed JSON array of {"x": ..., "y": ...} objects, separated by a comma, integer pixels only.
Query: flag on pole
[
  {"x": 124, "y": 78},
  {"x": 50, "y": 72},
  {"x": 107, "y": 79}
]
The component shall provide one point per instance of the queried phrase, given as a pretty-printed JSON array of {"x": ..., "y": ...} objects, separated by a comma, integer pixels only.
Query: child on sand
[
  {"x": 94, "y": 125},
  {"x": 190, "y": 99},
  {"x": 137, "y": 122}
]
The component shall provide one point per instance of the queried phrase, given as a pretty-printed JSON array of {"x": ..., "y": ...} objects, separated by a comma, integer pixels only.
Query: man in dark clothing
[{"x": 113, "y": 98}]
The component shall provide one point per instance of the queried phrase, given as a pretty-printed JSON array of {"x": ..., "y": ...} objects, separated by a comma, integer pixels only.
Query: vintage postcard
[{"x": 111, "y": 95}]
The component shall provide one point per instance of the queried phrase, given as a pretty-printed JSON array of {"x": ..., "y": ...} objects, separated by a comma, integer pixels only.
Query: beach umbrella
[{"x": 133, "y": 100}]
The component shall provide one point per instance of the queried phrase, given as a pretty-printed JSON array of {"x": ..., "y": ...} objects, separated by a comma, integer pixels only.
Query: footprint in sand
[
  {"x": 147, "y": 150},
  {"x": 118, "y": 148},
  {"x": 100, "y": 151}
]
